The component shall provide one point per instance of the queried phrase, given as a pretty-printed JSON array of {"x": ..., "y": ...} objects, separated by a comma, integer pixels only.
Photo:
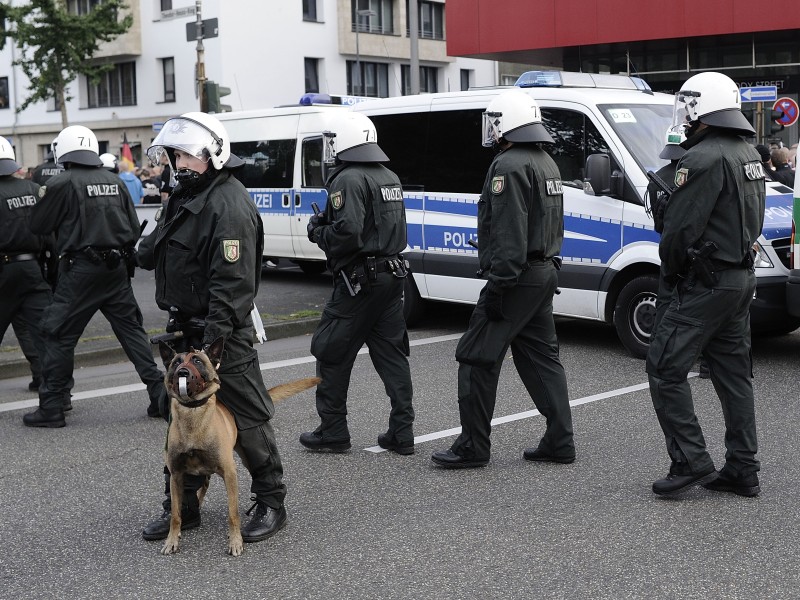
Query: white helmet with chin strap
[
  {"x": 352, "y": 138},
  {"x": 77, "y": 144},
  {"x": 712, "y": 99},
  {"x": 197, "y": 134},
  {"x": 109, "y": 162},
  {"x": 8, "y": 159},
  {"x": 515, "y": 117}
]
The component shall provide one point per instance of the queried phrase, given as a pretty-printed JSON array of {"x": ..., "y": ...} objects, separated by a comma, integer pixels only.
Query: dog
[{"x": 202, "y": 433}]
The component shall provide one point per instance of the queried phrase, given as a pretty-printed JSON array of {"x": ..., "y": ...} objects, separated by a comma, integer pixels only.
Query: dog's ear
[
  {"x": 167, "y": 352},
  {"x": 214, "y": 350}
]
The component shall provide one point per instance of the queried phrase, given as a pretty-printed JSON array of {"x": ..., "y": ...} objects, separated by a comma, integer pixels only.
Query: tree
[{"x": 56, "y": 46}]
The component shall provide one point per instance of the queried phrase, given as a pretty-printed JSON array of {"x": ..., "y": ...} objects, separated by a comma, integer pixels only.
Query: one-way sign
[{"x": 764, "y": 93}]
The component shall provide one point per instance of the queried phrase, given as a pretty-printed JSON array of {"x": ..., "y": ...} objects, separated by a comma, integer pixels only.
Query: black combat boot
[
  {"x": 190, "y": 518},
  {"x": 266, "y": 522},
  {"x": 45, "y": 418}
]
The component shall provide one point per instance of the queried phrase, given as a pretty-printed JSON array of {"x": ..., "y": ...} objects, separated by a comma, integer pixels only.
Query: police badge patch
[
  {"x": 498, "y": 184},
  {"x": 681, "y": 175},
  {"x": 230, "y": 250},
  {"x": 337, "y": 200},
  {"x": 42, "y": 191}
]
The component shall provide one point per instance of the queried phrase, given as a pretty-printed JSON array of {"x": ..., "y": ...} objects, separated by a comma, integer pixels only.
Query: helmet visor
[
  {"x": 491, "y": 129},
  {"x": 185, "y": 135},
  {"x": 685, "y": 108}
]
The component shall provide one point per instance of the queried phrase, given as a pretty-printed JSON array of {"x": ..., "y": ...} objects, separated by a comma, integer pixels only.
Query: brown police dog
[{"x": 202, "y": 433}]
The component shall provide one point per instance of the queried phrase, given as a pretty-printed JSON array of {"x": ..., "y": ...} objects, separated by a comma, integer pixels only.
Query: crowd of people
[{"x": 206, "y": 254}]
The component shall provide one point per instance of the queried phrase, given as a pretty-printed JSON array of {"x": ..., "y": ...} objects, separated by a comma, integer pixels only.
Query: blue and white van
[{"x": 608, "y": 130}]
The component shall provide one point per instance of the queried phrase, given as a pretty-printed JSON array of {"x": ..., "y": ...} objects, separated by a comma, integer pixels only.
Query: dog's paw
[
  {"x": 170, "y": 547},
  {"x": 235, "y": 546}
]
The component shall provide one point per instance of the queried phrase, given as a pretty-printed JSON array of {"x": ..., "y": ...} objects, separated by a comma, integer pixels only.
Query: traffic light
[
  {"x": 773, "y": 117},
  {"x": 212, "y": 92}
]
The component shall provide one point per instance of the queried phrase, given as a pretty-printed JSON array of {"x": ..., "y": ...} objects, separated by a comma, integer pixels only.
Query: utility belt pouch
[
  {"x": 370, "y": 266},
  {"x": 129, "y": 254},
  {"x": 92, "y": 255},
  {"x": 398, "y": 266},
  {"x": 113, "y": 258},
  {"x": 701, "y": 265}
]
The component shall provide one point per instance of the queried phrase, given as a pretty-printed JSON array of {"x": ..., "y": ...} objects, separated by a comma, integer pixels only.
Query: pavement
[{"x": 289, "y": 301}]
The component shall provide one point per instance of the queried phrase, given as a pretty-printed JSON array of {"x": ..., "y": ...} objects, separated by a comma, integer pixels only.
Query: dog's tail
[{"x": 284, "y": 390}]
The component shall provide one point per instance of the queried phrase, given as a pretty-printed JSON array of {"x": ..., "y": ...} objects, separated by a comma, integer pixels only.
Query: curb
[{"x": 104, "y": 356}]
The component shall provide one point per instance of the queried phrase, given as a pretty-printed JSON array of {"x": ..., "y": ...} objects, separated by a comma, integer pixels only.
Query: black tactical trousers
[
  {"x": 715, "y": 322},
  {"x": 529, "y": 330},
  {"x": 82, "y": 291},
  {"x": 243, "y": 392},
  {"x": 24, "y": 298},
  {"x": 375, "y": 317}
]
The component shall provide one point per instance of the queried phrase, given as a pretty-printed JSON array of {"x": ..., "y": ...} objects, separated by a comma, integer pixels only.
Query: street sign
[
  {"x": 764, "y": 93},
  {"x": 210, "y": 30},
  {"x": 790, "y": 111}
]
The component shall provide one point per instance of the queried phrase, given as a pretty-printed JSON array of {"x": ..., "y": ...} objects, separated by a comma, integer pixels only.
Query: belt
[
  {"x": 380, "y": 264},
  {"x": 12, "y": 258}
]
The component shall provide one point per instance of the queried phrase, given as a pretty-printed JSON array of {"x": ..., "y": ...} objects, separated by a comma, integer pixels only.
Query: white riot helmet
[
  {"x": 675, "y": 136},
  {"x": 77, "y": 144},
  {"x": 352, "y": 138},
  {"x": 197, "y": 134},
  {"x": 8, "y": 160},
  {"x": 109, "y": 162},
  {"x": 713, "y": 99},
  {"x": 515, "y": 116}
]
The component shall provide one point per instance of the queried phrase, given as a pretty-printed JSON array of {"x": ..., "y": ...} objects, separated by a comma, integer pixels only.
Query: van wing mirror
[{"x": 600, "y": 180}]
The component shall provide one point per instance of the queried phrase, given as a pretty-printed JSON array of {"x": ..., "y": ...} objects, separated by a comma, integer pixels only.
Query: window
[
  {"x": 430, "y": 20},
  {"x": 575, "y": 138},
  {"x": 5, "y": 101},
  {"x": 373, "y": 80},
  {"x": 376, "y": 16},
  {"x": 168, "y": 69},
  {"x": 313, "y": 173},
  {"x": 310, "y": 10},
  {"x": 116, "y": 87},
  {"x": 312, "y": 74},
  {"x": 428, "y": 80},
  {"x": 81, "y": 7},
  {"x": 268, "y": 164},
  {"x": 166, "y": 5},
  {"x": 466, "y": 77}
]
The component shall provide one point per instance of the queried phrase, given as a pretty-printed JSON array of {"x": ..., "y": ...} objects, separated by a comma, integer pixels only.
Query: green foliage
[{"x": 57, "y": 46}]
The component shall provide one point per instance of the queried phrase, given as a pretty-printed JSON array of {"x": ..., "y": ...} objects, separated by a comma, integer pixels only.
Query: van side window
[
  {"x": 404, "y": 139},
  {"x": 575, "y": 137},
  {"x": 311, "y": 158},
  {"x": 268, "y": 164}
]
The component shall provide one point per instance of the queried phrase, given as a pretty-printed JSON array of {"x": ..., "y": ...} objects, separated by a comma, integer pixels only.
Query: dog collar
[{"x": 193, "y": 404}]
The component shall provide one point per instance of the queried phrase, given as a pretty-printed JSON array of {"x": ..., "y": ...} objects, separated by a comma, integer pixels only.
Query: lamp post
[{"x": 360, "y": 13}]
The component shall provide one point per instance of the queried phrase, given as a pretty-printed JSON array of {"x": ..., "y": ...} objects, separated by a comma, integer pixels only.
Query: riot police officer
[
  {"x": 362, "y": 232},
  {"x": 20, "y": 253},
  {"x": 96, "y": 228},
  {"x": 206, "y": 252},
  {"x": 49, "y": 168},
  {"x": 714, "y": 217},
  {"x": 520, "y": 230}
]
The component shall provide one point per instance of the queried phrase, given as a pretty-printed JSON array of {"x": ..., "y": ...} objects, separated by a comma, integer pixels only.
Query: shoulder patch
[
  {"x": 158, "y": 213},
  {"x": 337, "y": 200},
  {"x": 681, "y": 175},
  {"x": 754, "y": 171},
  {"x": 554, "y": 187},
  {"x": 230, "y": 250},
  {"x": 42, "y": 191},
  {"x": 498, "y": 184}
]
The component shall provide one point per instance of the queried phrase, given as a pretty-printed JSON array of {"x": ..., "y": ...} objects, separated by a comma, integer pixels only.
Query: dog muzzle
[{"x": 188, "y": 381}]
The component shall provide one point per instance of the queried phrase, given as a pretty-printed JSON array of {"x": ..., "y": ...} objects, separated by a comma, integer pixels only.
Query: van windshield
[{"x": 642, "y": 128}]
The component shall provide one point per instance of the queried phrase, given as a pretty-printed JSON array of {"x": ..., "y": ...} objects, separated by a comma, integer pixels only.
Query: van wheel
[
  {"x": 312, "y": 267},
  {"x": 635, "y": 314},
  {"x": 412, "y": 302}
]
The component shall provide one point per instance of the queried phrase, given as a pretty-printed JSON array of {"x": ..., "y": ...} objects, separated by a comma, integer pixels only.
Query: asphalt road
[{"x": 377, "y": 525}]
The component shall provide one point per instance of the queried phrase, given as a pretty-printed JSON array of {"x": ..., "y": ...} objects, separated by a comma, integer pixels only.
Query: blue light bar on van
[
  {"x": 539, "y": 79},
  {"x": 312, "y": 98}
]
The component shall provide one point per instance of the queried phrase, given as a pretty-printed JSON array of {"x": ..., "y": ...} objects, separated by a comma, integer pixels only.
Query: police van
[
  {"x": 608, "y": 132},
  {"x": 793, "y": 283}
]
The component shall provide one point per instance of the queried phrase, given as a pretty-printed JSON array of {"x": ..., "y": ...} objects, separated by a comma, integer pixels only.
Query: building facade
[{"x": 267, "y": 52}]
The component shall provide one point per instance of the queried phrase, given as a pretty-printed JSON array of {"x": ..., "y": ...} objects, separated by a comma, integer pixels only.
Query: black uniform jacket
[
  {"x": 17, "y": 199},
  {"x": 86, "y": 206},
  {"x": 366, "y": 215},
  {"x": 520, "y": 213},
  {"x": 720, "y": 198},
  {"x": 207, "y": 257}
]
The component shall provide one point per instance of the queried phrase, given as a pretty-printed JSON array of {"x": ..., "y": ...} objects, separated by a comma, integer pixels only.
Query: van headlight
[{"x": 762, "y": 261}]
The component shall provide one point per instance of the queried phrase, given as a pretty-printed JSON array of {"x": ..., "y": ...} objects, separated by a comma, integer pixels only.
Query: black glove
[
  {"x": 315, "y": 222},
  {"x": 493, "y": 302}
]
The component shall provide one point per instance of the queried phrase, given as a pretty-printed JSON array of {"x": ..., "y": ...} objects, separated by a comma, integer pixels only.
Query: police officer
[
  {"x": 49, "y": 168},
  {"x": 206, "y": 252},
  {"x": 20, "y": 253},
  {"x": 520, "y": 230},
  {"x": 714, "y": 217},
  {"x": 362, "y": 232},
  {"x": 96, "y": 228}
]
